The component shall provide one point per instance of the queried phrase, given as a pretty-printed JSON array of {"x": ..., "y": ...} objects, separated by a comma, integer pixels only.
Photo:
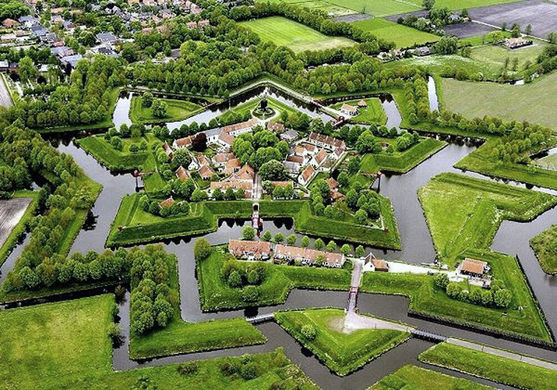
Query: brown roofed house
[
  {"x": 182, "y": 173},
  {"x": 246, "y": 173},
  {"x": 320, "y": 157},
  {"x": 205, "y": 172},
  {"x": 167, "y": 149},
  {"x": 473, "y": 267},
  {"x": 362, "y": 103},
  {"x": 232, "y": 166},
  {"x": 9, "y": 23},
  {"x": 277, "y": 127},
  {"x": 348, "y": 109},
  {"x": 308, "y": 256},
  {"x": 167, "y": 202},
  {"x": 183, "y": 142},
  {"x": 258, "y": 250},
  {"x": 306, "y": 175}
]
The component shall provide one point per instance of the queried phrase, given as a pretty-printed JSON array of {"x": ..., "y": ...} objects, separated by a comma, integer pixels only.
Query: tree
[
  {"x": 267, "y": 236},
  {"x": 181, "y": 157},
  {"x": 201, "y": 249},
  {"x": 248, "y": 233},
  {"x": 199, "y": 142},
  {"x": 441, "y": 280},
  {"x": 27, "y": 70},
  {"x": 360, "y": 251},
  {"x": 159, "y": 108},
  {"x": 354, "y": 165},
  {"x": 502, "y": 298},
  {"x": 343, "y": 179},
  {"x": 529, "y": 29},
  {"x": 308, "y": 331},
  {"x": 279, "y": 238},
  {"x": 291, "y": 239},
  {"x": 361, "y": 217},
  {"x": 331, "y": 246},
  {"x": 305, "y": 241},
  {"x": 318, "y": 244},
  {"x": 345, "y": 249},
  {"x": 234, "y": 279},
  {"x": 272, "y": 170},
  {"x": 428, "y": 4},
  {"x": 253, "y": 277},
  {"x": 147, "y": 100}
]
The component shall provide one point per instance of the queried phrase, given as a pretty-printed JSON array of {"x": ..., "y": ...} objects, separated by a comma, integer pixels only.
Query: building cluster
[
  {"x": 263, "y": 250},
  {"x": 515, "y": 43}
]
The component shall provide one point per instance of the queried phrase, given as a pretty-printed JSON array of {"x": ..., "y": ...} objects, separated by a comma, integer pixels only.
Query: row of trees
[
  {"x": 497, "y": 296},
  {"x": 153, "y": 298}
]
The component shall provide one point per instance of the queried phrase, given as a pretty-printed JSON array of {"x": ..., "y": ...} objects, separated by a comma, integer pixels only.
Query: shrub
[
  {"x": 308, "y": 331},
  {"x": 188, "y": 368},
  {"x": 441, "y": 280},
  {"x": 234, "y": 279},
  {"x": 247, "y": 371},
  {"x": 248, "y": 233},
  {"x": 253, "y": 277},
  {"x": 229, "y": 367},
  {"x": 502, "y": 298},
  {"x": 250, "y": 294},
  {"x": 202, "y": 249}
]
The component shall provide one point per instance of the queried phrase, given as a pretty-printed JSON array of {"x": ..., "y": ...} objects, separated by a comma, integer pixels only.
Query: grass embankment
[
  {"x": 464, "y": 212},
  {"x": 177, "y": 110},
  {"x": 66, "y": 345},
  {"x": 132, "y": 225},
  {"x": 240, "y": 111},
  {"x": 298, "y": 37},
  {"x": 495, "y": 368},
  {"x": 341, "y": 352},
  {"x": 186, "y": 337},
  {"x": 402, "y": 36},
  {"x": 372, "y": 114},
  {"x": 545, "y": 247},
  {"x": 117, "y": 160},
  {"x": 216, "y": 294},
  {"x": 418, "y": 378},
  {"x": 505, "y": 101},
  {"x": 401, "y": 162},
  {"x": 481, "y": 161},
  {"x": 19, "y": 229}
]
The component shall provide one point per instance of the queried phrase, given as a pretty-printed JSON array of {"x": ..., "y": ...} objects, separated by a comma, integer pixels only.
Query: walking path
[
  {"x": 5, "y": 97},
  {"x": 503, "y": 353}
]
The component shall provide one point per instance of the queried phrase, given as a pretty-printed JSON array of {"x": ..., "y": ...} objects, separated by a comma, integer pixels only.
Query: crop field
[
  {"x": 402, "y": 36},
  {"x": 343, "y": 352},
  {"x": 419, "y": 378},
  {"x": 296, "y": 36},
  {"x": 522, "y": 319},
  {"x": 495, "y": 368},
  {"x": 508, "y": 102},
  {"x": 177, "y": 110},
  {"x": 464, "y": 212}
]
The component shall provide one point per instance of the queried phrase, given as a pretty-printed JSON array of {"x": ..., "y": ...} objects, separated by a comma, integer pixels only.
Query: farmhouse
[
  {"x": 362, "y": 104},
  {"x": 475, "y": 268},
  {"x": 289, "y": 135},
  {"x": 232, "y": 166},
  {"x": 225, "y": 140},
  {"x": 347, "y": 109},
  {"x": 251, "y": 250},
  {"x": 308, "y": 256},
  {"x": 320, "y": 158}
]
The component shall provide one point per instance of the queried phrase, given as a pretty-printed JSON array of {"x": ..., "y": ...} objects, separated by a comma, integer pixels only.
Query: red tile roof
[{"x": 258, "y": 249}]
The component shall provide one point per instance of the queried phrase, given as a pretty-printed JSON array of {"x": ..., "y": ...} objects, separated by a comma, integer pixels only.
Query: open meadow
[
  {"x": 402, "y": 36},
  {"x": 296, "y": 36}
]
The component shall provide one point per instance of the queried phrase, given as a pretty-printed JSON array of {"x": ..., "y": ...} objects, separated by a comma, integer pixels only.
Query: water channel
[{"x": 512, "y": 238}]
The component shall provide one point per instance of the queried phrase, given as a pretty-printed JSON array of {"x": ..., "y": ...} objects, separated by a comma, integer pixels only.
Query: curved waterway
[{"x": 512, "y": 238}]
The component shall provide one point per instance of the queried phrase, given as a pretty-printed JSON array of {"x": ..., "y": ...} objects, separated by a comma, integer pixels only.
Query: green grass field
[
  {"x": 401, "y": 162},
  {"x": 523, "y": 318},
  {"x": 177, "y": 110},
  {"x": 498, "y": 369},
  {"x": 343, "y": 352},
  {"x": 216, "y": 294},
  {"x": 548, "y": 162},
  {"x": 418, "y": 378},
  {"x": 464, "y": 212},
  {"x": 545, "y": 246},
  {"x": 508, "y": 102},
  {"x": 402, "y": 36},
  {"x": 377, "y": 7},
  {"x": 460, "y": 4},
  {"x": 496, "y": 55},
  {"x": 296, "y": 36},
  {"x": 372, "y": 114}
]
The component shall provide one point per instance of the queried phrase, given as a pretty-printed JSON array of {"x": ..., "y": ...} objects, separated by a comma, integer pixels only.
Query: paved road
[
  {"x": 503, "y": 353},
  {"x": 5, "y": 98}
]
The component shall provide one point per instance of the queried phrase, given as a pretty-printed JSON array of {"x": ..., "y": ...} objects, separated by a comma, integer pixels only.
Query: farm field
[
  {"x": 402, "y": 36},
  {"x": 342, "y": 351},
  {"x": 378, "y": 7},
  {"x": 508, "y": 102},
  {"x": 498, "y": 369},
  {"x": 296, "y": 36},
  {"x": 497, "y": 55},
  {"x": 419, "y": 378}
]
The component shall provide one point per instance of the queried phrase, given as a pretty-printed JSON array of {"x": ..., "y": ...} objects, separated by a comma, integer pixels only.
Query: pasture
[
  {"x": 505, "y": 101},
  {"x": 296, "y": 36},
  {"x": 497, "y": 55}
]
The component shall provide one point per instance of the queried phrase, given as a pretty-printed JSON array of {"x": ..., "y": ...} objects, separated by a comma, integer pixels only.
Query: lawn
[
  {"x": 343, "y": 352},
  {"x": 216, "y": 294},
  {"x": 177, "y": 110},
  {"x": 505, "y": 101},
  {"x": 460, "y": 4},
  {"x": 401, "y": 162},
  {"x": 58, "y": 345},
  {"x": 377, "y": 7},
  {"x": 296, "y": 36},
  {"x": 402, "y": 36},
  {"x": 132, "y": 225},
  {"x": 240, "y": 112},
  {"x": 545, "y": 247},
  {"x": 418, "y": 378},
  {"x": 522, "y": 320},
  {"x": 464, "y": 212},
  {"x": 495, "y": 368}
]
